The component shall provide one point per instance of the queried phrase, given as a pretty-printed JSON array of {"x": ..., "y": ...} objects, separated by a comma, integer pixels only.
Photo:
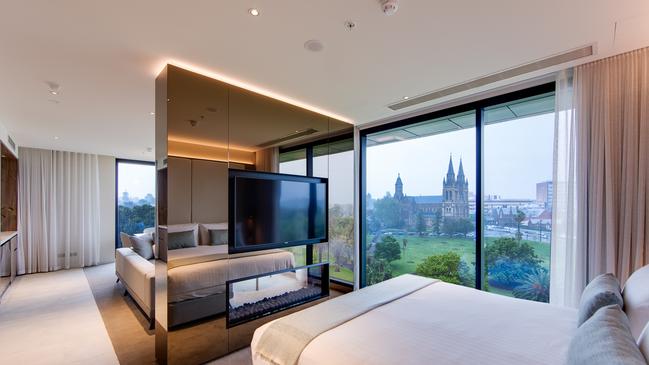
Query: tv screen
[{"x": 269, "y": 210}]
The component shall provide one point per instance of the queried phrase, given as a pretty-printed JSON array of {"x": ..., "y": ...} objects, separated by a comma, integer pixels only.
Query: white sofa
[{"x": 138, "y": 277}]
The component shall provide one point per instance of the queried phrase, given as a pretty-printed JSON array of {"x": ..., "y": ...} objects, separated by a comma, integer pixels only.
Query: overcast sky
[
  {"x": 138, "y": 180},
  {"x": 517, "y": 155}
]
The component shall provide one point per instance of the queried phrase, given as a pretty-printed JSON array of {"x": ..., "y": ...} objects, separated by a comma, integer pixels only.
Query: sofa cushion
[
  {"x": 636, "y": 299},
  {"x": 602, "y": 291},
  {"x": 643, "y": 342},
  {"x": 125, "y": 239},
  {"x": 143, "y": 246},
  {"x": 605, "y": 338}
]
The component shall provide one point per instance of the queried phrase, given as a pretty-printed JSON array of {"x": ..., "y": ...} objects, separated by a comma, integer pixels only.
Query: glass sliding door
[
  {"x": 517, "y": 207},
  {"x": 419, "y": 211},
  {"x": 135, "y": 196}
]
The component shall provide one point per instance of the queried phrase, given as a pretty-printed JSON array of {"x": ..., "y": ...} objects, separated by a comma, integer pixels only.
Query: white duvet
[
  {"x": 202, "y": 271},
  {"x": 446, "y": 324}
]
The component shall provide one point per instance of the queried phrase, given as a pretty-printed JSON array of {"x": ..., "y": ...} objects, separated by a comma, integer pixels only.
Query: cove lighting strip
[{"x": 251, "y": 87}]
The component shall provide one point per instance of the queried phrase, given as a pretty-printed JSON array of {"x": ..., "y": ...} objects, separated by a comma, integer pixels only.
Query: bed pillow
[
  {"x": 218, "y": 237},
  {"x": 143, "y": 245},
  {"x": 602, "y": 291},
  {"x": 176, "y": 240},
  {"x": 205, "y": 234},
  {"x": 605, "y": 338},
  {"x": 636, "y": 299},
  {"x": 643, "y": 342}
]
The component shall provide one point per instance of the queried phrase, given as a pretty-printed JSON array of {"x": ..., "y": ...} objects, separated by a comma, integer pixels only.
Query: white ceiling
[{"x": 105, "y": 55}]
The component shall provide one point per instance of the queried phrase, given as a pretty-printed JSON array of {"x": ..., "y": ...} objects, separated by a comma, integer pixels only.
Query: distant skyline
[
  {"x": 517, "y": 155},
  {"x": 138, "y": 180}
]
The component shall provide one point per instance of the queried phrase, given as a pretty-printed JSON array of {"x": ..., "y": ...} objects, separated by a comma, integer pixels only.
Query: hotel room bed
[
  {"x": 439, "y": 323},
  {"x": 197, "y": 276},
  {"x": 200, "y": 271}
]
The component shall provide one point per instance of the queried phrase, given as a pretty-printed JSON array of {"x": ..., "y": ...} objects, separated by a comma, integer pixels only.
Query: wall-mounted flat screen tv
[{"x": 269, "y": 210}]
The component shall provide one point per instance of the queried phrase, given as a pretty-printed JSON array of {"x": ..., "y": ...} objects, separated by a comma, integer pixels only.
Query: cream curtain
[
  {"x": 601, "y": 206},
  {"x": 59, "y": 210}
]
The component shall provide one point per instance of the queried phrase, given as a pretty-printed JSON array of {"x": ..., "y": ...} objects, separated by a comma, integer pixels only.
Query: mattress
[
  {"x": 446, "y": 324},
  {"x": 201, "y": 271}
]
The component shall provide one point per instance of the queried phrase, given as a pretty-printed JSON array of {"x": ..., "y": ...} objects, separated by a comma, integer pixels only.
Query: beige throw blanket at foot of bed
[{"x": 284, "y": 340}]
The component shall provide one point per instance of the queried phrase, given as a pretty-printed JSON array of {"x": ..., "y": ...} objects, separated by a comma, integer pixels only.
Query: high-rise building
[{"x": 544, "y": 193}]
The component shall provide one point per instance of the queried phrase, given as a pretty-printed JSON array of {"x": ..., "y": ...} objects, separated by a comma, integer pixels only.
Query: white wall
[{"x": 107, "y": 208}]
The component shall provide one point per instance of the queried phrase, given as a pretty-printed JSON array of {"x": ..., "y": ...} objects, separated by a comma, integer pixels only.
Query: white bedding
[
  {"x": 201, "y": 271},
  {"x": 446, "y": 324}
]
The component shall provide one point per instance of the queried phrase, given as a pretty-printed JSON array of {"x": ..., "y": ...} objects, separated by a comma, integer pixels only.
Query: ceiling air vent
[
  {"x": 291, "y": 136},
  {"x": 11, "y": 143},
  {"x": 498, "y": 76}
]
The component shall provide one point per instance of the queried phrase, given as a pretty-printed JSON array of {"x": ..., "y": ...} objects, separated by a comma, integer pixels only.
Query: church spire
[
  {"x": 460, "y": 172},
  {"x": 450, "y": 175},
  {"x": 398, "y": 187}
]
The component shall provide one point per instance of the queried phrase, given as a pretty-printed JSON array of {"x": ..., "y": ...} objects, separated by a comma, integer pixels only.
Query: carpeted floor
[
  {"x": 128, "y": 327},
  {"x": 126, "y": 324},
  {"x": 52, "y": 318}
]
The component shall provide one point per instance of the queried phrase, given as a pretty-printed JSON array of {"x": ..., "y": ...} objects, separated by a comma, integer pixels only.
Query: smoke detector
[{"x": 389, "y": 6}]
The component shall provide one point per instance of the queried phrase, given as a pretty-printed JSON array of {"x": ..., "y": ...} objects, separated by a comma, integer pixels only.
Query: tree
[
  {"x": 444, "y": 267},
  {"x": 457, "y": 225},
  {"x": 421, "y": 224},
  {"x": 509, "y": 261},
  {"x": 378, "y": 271},
  {"x": 437, "y": 221},
  {"x": 535, "y": 286},
  {"x": 519, "y": 217},
  {"x": 388, "y": 212},
  {"x": 388, "y": 249}
]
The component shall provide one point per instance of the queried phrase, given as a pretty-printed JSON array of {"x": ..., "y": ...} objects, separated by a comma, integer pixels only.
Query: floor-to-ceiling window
[
  {"x": 517, "y": 206},
  {"x": 135, "y": 196},
  {"x": 463, "y": 195},
  {"x": 420, "y": 205},
  {"x": 334, "y": 160}
]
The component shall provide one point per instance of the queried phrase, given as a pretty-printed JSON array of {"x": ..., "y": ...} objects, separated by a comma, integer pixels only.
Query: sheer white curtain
[
  {"x": 569, "y": 254},
  {"x": 59, "y": 210},
  {"x": 601, "y": 203}
]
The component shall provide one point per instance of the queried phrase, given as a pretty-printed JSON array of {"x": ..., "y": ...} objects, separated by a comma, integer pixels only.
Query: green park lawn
[
  {"x": 419, "y": 248},
  {"x": 344, "y": 273}
]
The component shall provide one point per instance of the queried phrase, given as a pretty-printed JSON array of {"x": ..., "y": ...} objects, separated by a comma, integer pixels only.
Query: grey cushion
[
  {"x": 143, "y": 246},
  {"x": 176, "y": 240},
  {"x": 602, "y": 291},
  {"x": 124, "y": 238},
  {"x": 605, "y": 338},
  {"x": 218, "y": 236}
]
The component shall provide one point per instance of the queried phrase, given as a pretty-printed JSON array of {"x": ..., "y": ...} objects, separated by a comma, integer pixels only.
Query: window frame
[
  {"x": 478, "y": 107},
  {"x": 118, "y": 243},
  {"x": 308, "y": 147}
]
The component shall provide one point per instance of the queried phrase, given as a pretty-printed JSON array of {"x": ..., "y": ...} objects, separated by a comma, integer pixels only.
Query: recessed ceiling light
[
  {"x": 406, "y": 97},
  {"x": 56, "y": 137},
  {"x": 54, "y": 92},
  {"x": 152, "y": 113},
  {"x": 313, "y": 45},
  {"x": 253, "y": 11}
]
